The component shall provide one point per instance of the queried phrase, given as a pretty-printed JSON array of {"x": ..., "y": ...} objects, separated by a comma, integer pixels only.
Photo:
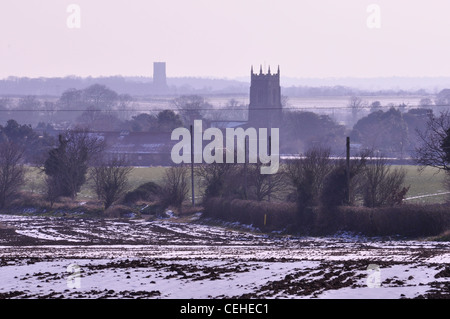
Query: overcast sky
[{"x": 223, "y": 38}]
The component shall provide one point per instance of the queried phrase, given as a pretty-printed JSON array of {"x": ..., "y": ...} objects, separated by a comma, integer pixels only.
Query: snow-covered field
[{"x": 45, "y": 257}]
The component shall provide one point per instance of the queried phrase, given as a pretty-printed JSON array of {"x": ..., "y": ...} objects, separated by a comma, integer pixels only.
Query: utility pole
[
  {"x": 245, "y": 167},
  {"x": 269, "y": 177},
  {"x": 348, "y": 171},
  {"x": 192, "y": 167}
]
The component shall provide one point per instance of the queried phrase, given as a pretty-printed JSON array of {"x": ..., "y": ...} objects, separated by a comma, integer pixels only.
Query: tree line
[
  {"x": 70, "y": 158},
  {"x": 391, "y": 131},
  {"x": 310, "y": 180}
]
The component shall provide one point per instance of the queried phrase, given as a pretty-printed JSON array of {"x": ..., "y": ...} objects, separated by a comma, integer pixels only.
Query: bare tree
[
  {"x": 447, "y": 184},
  {"x": 432, "y": 151},
  {"x": 232, "y": 111},
  {"x": 90, "y": 116},
  {"x": 383, "y": 186},
  {"x": 215, "y": 178},
  {"x": 308, "y": 174},
  {"x": 124, "y": 105},
  {"x": 110, "y": 180},
  {"x": 5, "y": 103},
  {"x": 12, "y": 172},
  {"x": 98, "y": 96},
  {"x": 29, "y": 102},
  {"x": 356, "y": 105},
  {"x": 191, "y": 107},
  {"x": 265, "y": 186},
  {"x": 446, "y": 145},
  {"x": 175, "y": 187},
  {"x": 49, "y": 109},
  {"x": 425, "y": 102}
]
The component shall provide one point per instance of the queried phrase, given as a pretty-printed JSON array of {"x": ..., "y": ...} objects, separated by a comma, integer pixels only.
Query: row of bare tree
[
  {"x": 316, "y": 179},
  {"x": 79, "y": 156},
  {"x": 320, "y": 180},
  {"x": 311, "y": 180}
]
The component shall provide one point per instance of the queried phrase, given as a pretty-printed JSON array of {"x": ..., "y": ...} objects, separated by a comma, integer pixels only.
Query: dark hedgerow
[
  {"x": 406, "y": 220},
  {"x": 145, "y": 192},
  {"x": 278, "y": 216}
]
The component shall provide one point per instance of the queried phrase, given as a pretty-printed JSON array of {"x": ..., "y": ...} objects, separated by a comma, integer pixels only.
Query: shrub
[
  {"x": 146, "y": 192},
  {"x": 335, "y": 189},
  {"x": 67, "y": 165},
  {"x": 219, "y": 179},
  {"x": 308, "y": 175},
  {"x": 334, "y": 192}
]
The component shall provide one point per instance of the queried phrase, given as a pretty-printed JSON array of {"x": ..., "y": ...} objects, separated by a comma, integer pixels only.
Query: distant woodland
[{"x": 143, "y": 86}]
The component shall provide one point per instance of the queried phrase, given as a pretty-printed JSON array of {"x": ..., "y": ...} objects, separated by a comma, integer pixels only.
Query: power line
[{"x": 229, "y": 109}]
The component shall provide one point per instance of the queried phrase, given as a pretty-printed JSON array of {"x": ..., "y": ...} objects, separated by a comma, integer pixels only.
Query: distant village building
[{"x": 138, "y": 148}]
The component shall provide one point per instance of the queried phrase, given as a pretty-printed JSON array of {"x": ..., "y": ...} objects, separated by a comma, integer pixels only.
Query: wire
[{"x": 226, "y": 109}]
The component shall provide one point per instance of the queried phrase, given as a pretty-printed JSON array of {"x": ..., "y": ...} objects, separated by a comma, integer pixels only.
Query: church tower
[{"x": 265, "y": 107}]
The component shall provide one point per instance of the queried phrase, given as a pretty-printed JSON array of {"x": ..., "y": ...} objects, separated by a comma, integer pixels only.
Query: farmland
[
  {"x": 191, "y": 256},
  {"x": 170, "y": 259}
]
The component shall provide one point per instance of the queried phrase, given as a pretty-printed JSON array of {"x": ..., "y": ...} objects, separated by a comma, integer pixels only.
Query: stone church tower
[{"x": 265, "y": 107}]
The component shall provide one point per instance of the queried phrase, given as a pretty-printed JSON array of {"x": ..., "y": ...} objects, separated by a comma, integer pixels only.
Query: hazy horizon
[{"x": 432, "y": 85}]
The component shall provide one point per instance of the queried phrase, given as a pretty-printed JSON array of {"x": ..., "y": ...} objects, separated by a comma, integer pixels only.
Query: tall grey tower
[
  {"x": 265, "y": 99},
  {"x": 159, "y": 76}
]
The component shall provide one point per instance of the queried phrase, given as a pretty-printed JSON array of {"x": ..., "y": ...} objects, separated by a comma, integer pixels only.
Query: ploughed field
[{"x": 56, "y": 257}]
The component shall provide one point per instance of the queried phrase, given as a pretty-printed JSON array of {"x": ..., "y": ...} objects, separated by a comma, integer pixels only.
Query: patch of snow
[{"x": 407, "y": 267}]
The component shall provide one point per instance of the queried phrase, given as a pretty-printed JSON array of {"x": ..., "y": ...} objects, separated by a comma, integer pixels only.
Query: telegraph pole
[
  {"x": 269, "y": 177},
  {"x": 192, "y": 167},
  {"x": 348, "y": 170},
  {"x": 245, "y": 167}
]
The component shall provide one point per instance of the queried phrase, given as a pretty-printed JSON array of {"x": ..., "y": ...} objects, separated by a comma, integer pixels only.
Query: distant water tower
[{"x": 159, "y": 76}]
